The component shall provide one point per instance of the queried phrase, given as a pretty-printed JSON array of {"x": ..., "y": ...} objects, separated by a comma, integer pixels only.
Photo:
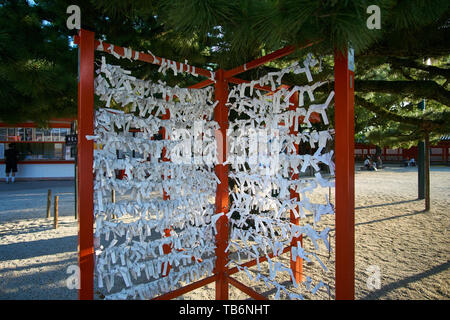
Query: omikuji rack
[{"x": 344, "y": 162}]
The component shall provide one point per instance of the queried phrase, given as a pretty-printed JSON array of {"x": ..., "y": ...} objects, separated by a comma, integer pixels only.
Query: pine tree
[
  {"x": 38, "y": 66},
  {"x": 391, "y": 75}
]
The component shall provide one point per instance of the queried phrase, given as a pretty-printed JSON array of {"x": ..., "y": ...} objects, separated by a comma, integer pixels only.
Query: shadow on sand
[{"x": 404, "y": 282}]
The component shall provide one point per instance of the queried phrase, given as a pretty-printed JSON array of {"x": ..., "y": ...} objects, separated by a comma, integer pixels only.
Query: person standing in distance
[{"x": 11, "y": 158}]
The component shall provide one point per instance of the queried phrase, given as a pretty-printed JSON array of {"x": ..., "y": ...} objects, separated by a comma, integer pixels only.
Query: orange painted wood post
[
  {"x": 85, "y": 162},
  {"x": 221, "y": 116},
  {"x": 297, "y": 265},
  {"x": 165, "y": 116},
  {"x": 167, "y": 248},
  {"x": 345, "y": 174}
]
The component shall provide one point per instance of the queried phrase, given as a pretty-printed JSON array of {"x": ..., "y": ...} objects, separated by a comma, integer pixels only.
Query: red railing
[{"x": 439, "y": 153}]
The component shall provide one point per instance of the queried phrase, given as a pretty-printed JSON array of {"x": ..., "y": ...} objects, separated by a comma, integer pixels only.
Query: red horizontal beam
[
  {"x": 267, "y": 58},
  {"x": 260, "y": 61},
  {"x": 186, "y": 289},
  {"x": 145, "y": 57},
  {"x": 247, "y": 290}
]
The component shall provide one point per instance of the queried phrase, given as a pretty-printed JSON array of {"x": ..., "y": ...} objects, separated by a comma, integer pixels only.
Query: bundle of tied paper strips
[
  {"x": 159, "y": 235},
  {"x": 263, "y": 159}
]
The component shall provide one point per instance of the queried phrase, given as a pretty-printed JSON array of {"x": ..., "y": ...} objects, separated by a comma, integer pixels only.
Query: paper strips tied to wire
[
  {"x": 157, "y": 234},
  {"x": 263, "y": 160}
]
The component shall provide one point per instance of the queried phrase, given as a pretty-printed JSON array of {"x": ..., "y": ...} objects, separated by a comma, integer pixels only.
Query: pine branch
[
  {"x": 432, "y": 70},
  {"x": 418, "y": 89},
  {"x": 425, "y": 125}
]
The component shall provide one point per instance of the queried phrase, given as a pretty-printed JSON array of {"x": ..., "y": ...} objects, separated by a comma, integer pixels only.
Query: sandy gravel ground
[
  {"x": 34, "y": 257},
  {"x": 409, "y": 247}
]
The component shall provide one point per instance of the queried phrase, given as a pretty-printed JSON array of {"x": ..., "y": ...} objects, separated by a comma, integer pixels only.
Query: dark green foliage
[{"x": 38, "y": 66}]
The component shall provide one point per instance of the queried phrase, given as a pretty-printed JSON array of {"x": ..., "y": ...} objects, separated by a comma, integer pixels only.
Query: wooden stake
[
  {"x": 427, "y": 172},
  {"x": 49, "y": 202},
  {"x": 55, "y": 213}
]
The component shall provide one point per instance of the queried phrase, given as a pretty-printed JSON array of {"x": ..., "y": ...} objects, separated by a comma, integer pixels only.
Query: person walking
[
  {"x": 367, "y": 163},
  {"x": 11, "y": 158}
]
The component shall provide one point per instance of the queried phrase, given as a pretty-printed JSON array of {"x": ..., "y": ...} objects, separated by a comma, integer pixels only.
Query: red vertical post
[
  {"x": 221, "y": 116},
  {"x": 164, "y": 158},
  {"x": 297, "y": 265},
  {"x": 167, "y": 248},
  {"x": 345, "y": 174},
  {"x": 85, "y": 161}
]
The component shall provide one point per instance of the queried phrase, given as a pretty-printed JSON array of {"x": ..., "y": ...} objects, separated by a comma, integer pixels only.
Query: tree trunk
[{"x": 427, "y": 171}]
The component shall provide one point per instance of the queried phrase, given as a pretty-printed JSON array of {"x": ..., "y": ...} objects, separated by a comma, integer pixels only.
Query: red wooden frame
[{"x": 344, "y": 135}]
